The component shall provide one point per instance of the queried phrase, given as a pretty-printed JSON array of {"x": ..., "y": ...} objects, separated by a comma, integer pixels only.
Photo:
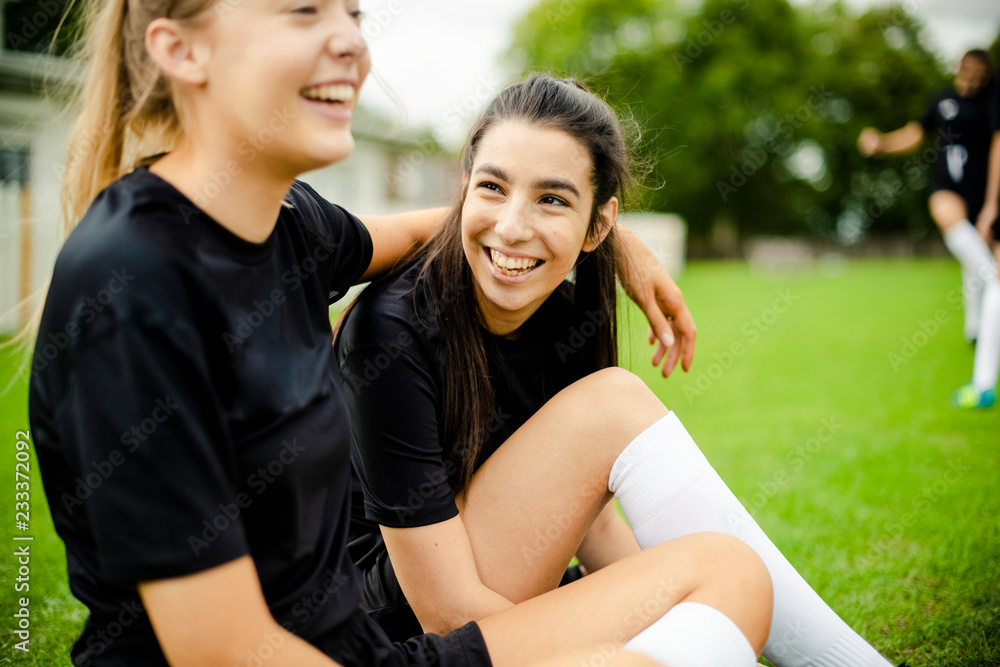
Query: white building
[{"x": 391, "y": 170}]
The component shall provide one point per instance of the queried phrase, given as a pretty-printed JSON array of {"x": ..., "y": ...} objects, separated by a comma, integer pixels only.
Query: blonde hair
[{"x": 126, "y": 107}]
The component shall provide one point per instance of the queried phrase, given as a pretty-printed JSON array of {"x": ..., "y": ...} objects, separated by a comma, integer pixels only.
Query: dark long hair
[{"x": 469, "y": 400}]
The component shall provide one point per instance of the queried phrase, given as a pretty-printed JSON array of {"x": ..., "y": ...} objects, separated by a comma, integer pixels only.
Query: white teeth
[
  {"x": 512, "y": 266},
  {"x": 330, "y": 93}
]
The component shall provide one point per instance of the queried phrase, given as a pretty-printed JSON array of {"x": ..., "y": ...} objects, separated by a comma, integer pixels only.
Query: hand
[
  {"x": 869, "y": 141},
  {"x": 986, "y": 220},
  {"x": 648, "y": 284}
]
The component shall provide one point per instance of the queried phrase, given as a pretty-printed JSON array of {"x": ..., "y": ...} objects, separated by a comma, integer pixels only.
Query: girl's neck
[{"x": 244, "y": 198}]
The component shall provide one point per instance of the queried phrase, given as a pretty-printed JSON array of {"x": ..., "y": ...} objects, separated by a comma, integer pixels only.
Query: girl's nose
[
  {"x": 514, "y": 225},
  {"x": 347, "y": 41}
]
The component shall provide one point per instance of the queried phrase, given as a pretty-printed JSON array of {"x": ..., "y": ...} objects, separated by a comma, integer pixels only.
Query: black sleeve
[
  {"x": 995, "y": 104},
  {"x": 398, "y": 453},
  {"x": 142, "y": 424},
  {"x": 929, "y": 121},
  {"x": 338, "y": 237}
]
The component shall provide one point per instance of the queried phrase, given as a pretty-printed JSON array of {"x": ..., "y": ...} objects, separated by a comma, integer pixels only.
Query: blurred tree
[
  {"x": 751, "y": 108},
  {"x": 29, "y": 25}
]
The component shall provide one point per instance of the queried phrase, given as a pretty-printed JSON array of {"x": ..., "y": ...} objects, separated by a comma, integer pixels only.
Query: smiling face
[
  {"x": 525, "y": 218},
  {"x": 283, "y": 77}
]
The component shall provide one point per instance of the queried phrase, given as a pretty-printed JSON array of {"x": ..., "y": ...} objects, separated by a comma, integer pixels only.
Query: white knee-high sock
[
  {"x": 974, "y": 255},
  {"x": 693, "y": 634},
  {"x": 986, "y": 366},
  {"x": 667, "y": 488}
]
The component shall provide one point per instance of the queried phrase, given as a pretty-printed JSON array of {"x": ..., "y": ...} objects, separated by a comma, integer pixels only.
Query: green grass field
[{"x": 822, "y": 398}]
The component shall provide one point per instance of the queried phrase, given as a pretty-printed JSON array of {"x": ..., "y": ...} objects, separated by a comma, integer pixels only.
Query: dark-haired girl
[
  {"x": 185, "y": 345},
  {"x": 491, "y": 424}
]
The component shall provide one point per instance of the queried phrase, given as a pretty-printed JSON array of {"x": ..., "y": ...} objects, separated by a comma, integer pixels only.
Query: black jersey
[
  {"x": 392, "y": 357},
  {"x": 187, "y": 409},
  {"x": 958, "y": 128}
]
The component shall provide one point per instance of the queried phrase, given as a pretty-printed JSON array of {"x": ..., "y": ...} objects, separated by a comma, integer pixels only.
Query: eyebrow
[{"x": 542, "y": 184}]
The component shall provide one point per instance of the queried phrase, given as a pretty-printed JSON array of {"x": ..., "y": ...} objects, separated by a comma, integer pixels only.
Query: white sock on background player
[
  {"x": 986, "y": 366},
  {"x": 974, "y": 255},
  {"x": 667, "y": 488},
  {"x": 693, "y": 634}
]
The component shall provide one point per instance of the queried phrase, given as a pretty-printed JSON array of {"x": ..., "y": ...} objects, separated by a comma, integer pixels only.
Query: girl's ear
[
  {"x": 179, "y": 53},
  {"x": 606, "y": 217}
]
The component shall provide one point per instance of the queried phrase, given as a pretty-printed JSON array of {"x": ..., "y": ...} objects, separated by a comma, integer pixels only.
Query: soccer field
[{"x": 822, "y": 398}]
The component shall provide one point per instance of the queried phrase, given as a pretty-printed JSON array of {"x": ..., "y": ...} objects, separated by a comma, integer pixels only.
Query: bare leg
[
  {"x": 947, "y": 209},
  {"x": 951, "y": 215},
  {"x": 530, "y": 505},
  {"x": 595, "y": 616}
]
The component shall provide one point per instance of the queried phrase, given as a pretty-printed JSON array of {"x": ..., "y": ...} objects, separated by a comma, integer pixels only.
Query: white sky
[{"x": 442, "y": 57}]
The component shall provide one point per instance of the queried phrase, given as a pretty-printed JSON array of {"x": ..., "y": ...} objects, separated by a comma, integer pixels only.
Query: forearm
[
  {"x": 904, "y": 140},
  {"x": 632, "y": 254},
  {"x": 395, "y": 237},
  {"x": 447, "y": 613}
]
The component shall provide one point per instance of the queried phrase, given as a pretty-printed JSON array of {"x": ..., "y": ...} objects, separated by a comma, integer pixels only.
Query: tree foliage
[
  {"x": 30, "y": 25},
  {"x": 752, "y": 108}
]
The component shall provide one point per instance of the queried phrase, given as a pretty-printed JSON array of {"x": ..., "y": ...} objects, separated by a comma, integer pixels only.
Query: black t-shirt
[
  {"x": 187, "y": 409},
  {"x": 392, "y": 358},
  {"x": 959, "y": 128},
  {"x": 995, "y": 105}
]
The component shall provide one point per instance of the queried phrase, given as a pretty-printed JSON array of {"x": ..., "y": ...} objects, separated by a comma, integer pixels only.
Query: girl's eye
[
  {"x": 552, "y": 199},
  {"x": 305, "y": 10},
  {"x": 489, "y": 185},
  {"x": 358, "y": 15}
]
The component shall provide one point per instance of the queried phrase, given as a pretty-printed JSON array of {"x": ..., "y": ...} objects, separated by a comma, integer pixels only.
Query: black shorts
[
  {"x": 383, "y": 599},
  {"x": 360, "y": 642},
  {"x": 972, "y": 189}
]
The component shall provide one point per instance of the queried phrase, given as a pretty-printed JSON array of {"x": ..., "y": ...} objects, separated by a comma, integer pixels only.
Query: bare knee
[
  {"x": 739, "y": 584},
  {"x": 947, "y": 208},
  {"x": 618, "y": 393}
]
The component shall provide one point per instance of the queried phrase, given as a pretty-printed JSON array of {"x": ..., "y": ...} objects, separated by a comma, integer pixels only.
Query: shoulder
[
  {"x": 321, "y": 216},
  {"x": 393, "y": 312},
  {"x": 132, "y": 255}
]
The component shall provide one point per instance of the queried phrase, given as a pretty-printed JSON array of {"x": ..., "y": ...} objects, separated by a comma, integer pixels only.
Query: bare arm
[
  {"x": 437, "y": 571},
  {"x": 219, "y": 617},
  {"x": 987, "y": 217},
  {"x": 649, "y": 285},
  {"x": 906, "y": 139},
  {"x": 609, "y": 540},
  {"x": 395, "y": 237}
]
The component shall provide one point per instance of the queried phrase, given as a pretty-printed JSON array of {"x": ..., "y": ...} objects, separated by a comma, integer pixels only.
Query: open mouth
[
  {"x": 512, "y": 266},
  {"x": 330, "y": 93}
]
